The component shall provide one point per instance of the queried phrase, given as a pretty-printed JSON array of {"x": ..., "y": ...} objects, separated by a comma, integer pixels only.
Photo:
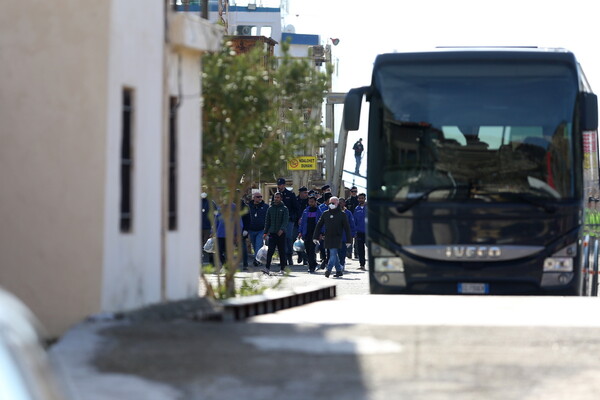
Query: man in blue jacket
[
  {"x": 360, "y": 212},
  {"x": 308, "y": 222}
]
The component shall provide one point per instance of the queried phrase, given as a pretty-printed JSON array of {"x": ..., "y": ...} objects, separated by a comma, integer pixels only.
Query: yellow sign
[{"x": 302, "y": 163}]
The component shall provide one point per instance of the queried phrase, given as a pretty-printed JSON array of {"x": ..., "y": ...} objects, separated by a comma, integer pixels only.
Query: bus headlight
[
  {"x": 558, "y": 264},
  {"x": 389, "y": 264}
]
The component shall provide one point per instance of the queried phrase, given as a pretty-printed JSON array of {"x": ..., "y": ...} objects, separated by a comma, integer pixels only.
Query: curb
[{"x": 238, "y": 309}]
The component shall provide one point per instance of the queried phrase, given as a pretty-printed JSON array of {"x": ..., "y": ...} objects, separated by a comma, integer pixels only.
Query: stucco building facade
[{"x": 100, "y": 144}]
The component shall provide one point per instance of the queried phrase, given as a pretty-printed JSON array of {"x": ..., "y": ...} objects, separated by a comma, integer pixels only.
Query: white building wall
[
  {"x": 183, "y": 244},
  {"x": 132, "y": 261},
  {"x": 63, "y": 66},
  {"x": 52, "y": 123}
]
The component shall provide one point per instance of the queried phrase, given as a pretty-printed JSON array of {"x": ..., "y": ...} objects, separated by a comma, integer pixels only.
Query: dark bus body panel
[
  {"x": 452, "y": 228},
  {"x": 449, "y": 216}
]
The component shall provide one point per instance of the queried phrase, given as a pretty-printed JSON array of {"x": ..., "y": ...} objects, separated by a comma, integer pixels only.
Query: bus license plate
[{"x": 473, "y": 288}]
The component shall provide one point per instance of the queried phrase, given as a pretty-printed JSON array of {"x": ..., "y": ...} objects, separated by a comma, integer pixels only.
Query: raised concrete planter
[{"x": 240, "y": 308}]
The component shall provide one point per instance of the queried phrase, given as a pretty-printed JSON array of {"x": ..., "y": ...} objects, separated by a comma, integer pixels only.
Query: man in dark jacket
[
  {"x": 335, "y": 223},
  {"x": 352, "y": 201},
  {"x": 257, "y": 212},
  {"x": 358, "y": 150},
  {"x": 275, "y": 225},
  {"x": 289, "y": 200}
]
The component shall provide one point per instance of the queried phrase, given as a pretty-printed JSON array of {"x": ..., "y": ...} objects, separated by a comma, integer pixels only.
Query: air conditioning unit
[
  {"x": 244, "y": 30},
  {"x": 318, "y": 54}
]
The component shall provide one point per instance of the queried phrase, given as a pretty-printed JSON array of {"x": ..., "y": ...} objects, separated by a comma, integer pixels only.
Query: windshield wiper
[{"x": 407, "y": 206}]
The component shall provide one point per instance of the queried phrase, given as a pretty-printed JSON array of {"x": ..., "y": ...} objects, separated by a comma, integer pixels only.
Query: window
[
  {"x": 126, "y": 216},
  {"x": 173, "y": 105}
]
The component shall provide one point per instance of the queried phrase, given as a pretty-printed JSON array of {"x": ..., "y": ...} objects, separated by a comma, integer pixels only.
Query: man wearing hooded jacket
[{"x": 335, "y": 222}]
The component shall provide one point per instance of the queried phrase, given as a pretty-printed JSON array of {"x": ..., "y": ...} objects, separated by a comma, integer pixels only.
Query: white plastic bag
[
  {"x": 261, "y": 254},
  {"x": 209, "y": 246},
  {"x": 299, "y": 245}
]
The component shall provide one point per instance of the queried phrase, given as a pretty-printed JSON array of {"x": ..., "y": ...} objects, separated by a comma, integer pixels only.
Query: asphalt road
[
  {"x": 364, "y": 348},
  {"x": 357, "y": 346}
]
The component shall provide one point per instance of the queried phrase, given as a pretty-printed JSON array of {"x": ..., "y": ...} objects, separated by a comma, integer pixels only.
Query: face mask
[
  {"x": 332, "y": 206},
  {"x": 203, "y": 195}
]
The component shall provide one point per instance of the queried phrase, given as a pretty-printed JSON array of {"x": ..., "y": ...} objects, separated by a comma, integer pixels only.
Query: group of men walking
[
  {"x": 323, "y": 223},
  {"x": 328, "y": 225}
]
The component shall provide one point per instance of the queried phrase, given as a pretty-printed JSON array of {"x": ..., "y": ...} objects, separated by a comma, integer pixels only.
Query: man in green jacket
[
  {"x": 276, "y": 223},
  {"x": 336, "y": 223}
]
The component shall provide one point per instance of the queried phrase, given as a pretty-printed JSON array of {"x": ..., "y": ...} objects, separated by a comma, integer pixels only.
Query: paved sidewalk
[{"x": 163, "y": 351}]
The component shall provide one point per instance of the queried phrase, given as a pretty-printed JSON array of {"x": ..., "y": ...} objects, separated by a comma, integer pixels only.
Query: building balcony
[{"x": 190, "y": 32}]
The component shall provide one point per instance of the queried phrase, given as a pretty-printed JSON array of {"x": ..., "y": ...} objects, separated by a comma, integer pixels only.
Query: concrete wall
[
  {"x": 183, "y": 244},
  {"x": 53, "y": 104},
  {"x": 131, "y": 264},
  {"x": 63, "y": 68}
]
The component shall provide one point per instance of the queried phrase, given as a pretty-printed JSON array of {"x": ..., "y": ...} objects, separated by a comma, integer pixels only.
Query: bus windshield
[{"x": 491, "y": 131}]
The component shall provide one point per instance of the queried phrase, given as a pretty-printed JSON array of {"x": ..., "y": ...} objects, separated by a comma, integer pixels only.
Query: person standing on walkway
[
  {"x": 220, "y": 233},
  {"x": 335, "y": 223},
  {"x": 360, "y": 212},
  {"x": 308, "y": 222},
  {"x": 358, "y": 150},
  {"x": 257, "y": 210},
  {"x": 276, "y": 223},
  {"x": 289, "y": 200}
]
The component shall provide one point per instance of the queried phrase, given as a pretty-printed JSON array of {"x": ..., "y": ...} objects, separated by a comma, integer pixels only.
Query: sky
[{"x": 367, "y": 28}]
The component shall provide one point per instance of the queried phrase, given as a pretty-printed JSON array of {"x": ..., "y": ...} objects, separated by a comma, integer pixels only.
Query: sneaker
[
  {"x": 245, "y": 269},
  {"x": 327, "y": 273},
  {"x": 256, "y": 263},
  {"x": 266, "y": 271},
  {"x": 339, "y": 274},
  {"x": 362, "y": 268},
  {"x": 282, "y": 272}
]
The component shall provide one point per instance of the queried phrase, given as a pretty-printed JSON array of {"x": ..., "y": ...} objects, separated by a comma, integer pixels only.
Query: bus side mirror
[
  {"x": 352, "y": 104},
  {"x": 589, "y": 112}
]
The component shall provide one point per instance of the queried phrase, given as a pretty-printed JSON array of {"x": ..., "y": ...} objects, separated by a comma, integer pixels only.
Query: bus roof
[{"x": 479, "y": 53}]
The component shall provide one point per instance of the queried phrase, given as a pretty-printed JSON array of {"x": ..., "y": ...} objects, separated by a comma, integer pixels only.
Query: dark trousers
[
  {"x": 310, "y": 254},
  {"x": 222, "y": 251},
  {"x": 360, "y": 247},
  {"x": 278, "y": 242}
]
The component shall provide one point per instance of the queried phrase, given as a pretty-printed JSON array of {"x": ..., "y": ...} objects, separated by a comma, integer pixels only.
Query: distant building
[
  {"x": 100, "y": 143},
  {"x": 256, "y": 20}
]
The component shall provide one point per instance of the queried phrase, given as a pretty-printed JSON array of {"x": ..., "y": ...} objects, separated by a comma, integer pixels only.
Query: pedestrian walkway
[{"x": 353, "y": 282}]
